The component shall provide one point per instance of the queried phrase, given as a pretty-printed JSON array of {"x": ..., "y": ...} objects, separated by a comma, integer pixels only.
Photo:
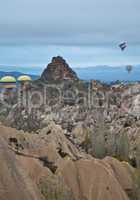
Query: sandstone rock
[
  {"x": 15, "y": 183},
  {"x": 96, "y": 179},
  {"x": 80, "y": 133},
  {"x": 82, "y": 176},
  {"x": 123, "y": 172}
]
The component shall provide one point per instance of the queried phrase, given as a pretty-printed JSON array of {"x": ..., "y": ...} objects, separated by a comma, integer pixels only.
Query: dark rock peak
[
  {"x": 58, "y": 60},
  {"x": 58, "y": 70}
]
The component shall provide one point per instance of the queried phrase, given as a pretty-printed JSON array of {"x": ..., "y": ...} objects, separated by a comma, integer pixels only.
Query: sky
[{"x": 86, "y": 32}]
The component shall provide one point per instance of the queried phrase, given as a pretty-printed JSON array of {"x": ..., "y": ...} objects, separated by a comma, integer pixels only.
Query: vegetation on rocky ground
[{"x": 54, "y": 189}]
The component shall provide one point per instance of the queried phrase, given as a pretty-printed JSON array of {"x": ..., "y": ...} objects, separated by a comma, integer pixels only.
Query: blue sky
[
  {"x": 76, "y": 56},
  {"x": 84, "y": 32}
]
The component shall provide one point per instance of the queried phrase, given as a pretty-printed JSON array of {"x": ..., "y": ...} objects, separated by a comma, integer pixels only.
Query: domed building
[
  {"x": 24, "y": 78},
  {"x": 24, "y": 81},
  {"x": 8, "y": 82},
  {"x": 8, "y": 86}
]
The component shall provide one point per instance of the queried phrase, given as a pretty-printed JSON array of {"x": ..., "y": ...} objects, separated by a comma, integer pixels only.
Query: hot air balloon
[
  {"x": 129, "y": 68},
  {"x": 123, "y": 45}
]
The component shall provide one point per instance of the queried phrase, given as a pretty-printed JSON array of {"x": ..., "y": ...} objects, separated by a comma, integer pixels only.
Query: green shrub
[
  {"x": 55, "y": 189},
  {"x": 122, "y": 147},
  {"x": 135, "y": 195}
]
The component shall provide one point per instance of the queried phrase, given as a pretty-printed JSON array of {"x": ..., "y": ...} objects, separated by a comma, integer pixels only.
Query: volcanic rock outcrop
[{"x": 58, "y": 70}]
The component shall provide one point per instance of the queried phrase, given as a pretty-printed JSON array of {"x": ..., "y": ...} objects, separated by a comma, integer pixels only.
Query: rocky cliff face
[{"x": 58, "y": 70}]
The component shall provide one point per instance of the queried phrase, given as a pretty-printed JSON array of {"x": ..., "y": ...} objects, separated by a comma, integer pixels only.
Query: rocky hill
[
  {"x": 58, "y": 70},
  {"x": 83, "y": 146}
]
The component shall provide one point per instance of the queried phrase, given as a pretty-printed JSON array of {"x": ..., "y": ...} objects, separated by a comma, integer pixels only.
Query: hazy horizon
[
  {"x": 39, "y": 55},
  {"x": 85, "y": 33}
]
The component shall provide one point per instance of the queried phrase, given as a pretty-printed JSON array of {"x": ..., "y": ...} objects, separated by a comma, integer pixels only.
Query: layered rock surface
[{"x": 29, "y": 162}]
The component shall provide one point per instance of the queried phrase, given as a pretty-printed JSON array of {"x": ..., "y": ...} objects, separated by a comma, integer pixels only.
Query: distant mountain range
[
  {"x": 103, "y": 73},
  {"x": 109, "y": 74},
  {"x": 34, "y": 70}
]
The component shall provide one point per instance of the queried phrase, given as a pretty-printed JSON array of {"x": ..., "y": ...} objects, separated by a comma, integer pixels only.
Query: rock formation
[
  {"x": 25, "y": 174},
  {"x": 58, "y": 70},
  {"x": 64, "y": 150}
]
